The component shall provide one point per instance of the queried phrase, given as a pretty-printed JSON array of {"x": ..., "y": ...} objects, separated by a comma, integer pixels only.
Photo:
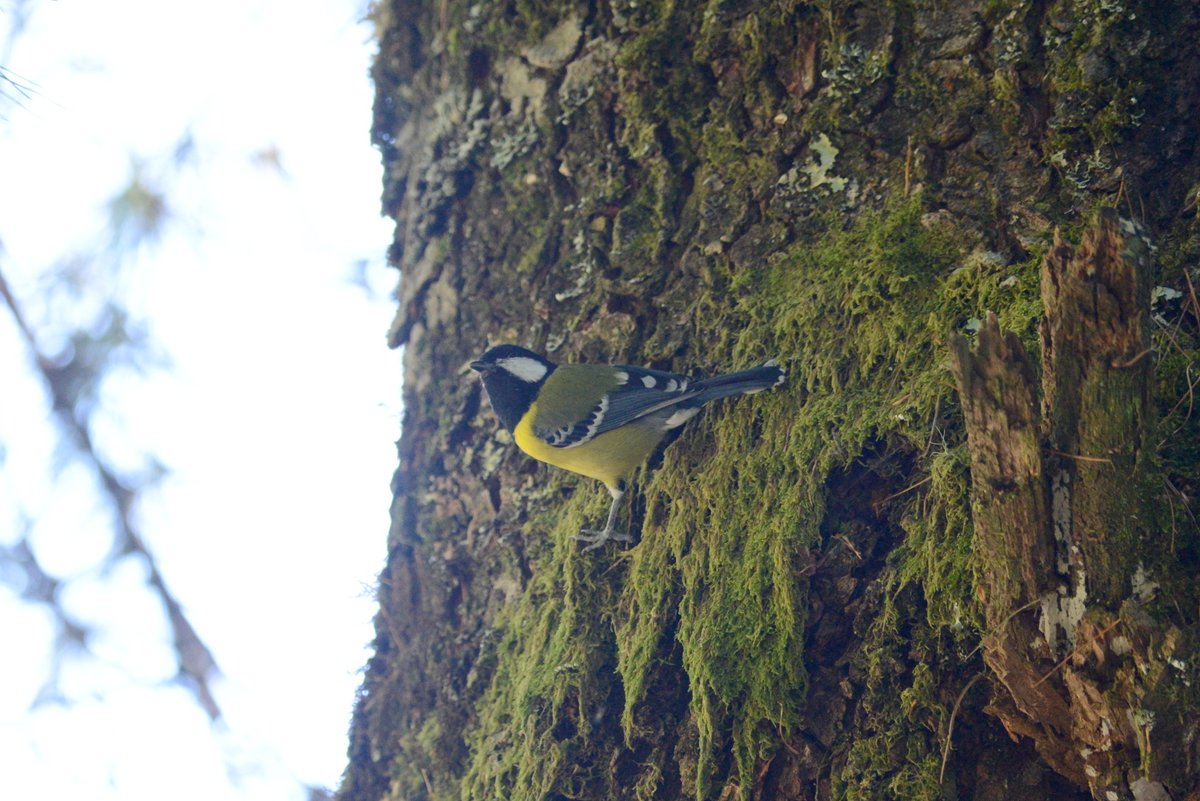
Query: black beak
[{"x": 479, "y": 367}]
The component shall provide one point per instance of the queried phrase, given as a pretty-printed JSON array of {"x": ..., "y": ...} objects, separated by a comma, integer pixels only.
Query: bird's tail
[{"x": 768, "y": 376}]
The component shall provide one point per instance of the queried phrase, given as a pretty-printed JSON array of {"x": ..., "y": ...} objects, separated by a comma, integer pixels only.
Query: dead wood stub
[
  {"x": 1000, "y": 404},
  {"x": 1096, "y": 394},
  {"x": 1064, "y": 477}
]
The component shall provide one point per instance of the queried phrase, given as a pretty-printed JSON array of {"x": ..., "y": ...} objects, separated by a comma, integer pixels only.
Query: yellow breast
[{"x": 609, "y": 457}]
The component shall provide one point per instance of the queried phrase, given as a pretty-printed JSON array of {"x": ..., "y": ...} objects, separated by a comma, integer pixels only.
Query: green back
[{"x": 571, "y": 392}]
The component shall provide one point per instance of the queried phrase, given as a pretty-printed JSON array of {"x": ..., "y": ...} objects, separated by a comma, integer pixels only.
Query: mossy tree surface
[{"x": 816, "y": 603}]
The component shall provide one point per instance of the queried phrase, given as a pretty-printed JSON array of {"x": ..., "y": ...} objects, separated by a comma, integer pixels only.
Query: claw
[{"x": 598, "y": 537}]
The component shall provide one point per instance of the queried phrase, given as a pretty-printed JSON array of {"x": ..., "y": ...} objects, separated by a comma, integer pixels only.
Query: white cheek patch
[{"x": 523, "y": 368}]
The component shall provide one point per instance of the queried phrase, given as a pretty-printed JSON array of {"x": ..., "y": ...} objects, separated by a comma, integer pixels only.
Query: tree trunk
[{"x": 955, "y": 557}]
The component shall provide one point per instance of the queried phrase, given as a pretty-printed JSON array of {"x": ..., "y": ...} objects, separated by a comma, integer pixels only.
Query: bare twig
[
  {"x": 1192, "y": 296},
  {"x": 1185, "y": 499},
  {"x": 1131, "y": 362},
  {"x": 907, "y": 489},
  {"x": 1003, "y": 623},
  {"x": 1171, "y": 506},
  {"x": 1189, "y": 396},
  {"x": 908, "y": 156},
  {"x": 197, "y": 667},
  {"x": 783, "y": 740},
  {"x": 1080, "y": 458},
  {"x": 937, "y": 408},
  {"x": 850, "y": 545},
  {"x": 947, "y": 745}
]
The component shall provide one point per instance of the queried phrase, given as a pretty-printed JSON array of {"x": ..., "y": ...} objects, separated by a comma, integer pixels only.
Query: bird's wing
[{"x": 632, "y": 393}]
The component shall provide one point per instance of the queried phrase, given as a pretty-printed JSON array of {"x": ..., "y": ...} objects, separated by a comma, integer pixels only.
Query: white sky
[{"x": 277, "y": 417}]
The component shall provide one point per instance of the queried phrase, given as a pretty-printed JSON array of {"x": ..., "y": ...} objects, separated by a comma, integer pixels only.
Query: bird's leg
[{"x": 596, "y": 538}]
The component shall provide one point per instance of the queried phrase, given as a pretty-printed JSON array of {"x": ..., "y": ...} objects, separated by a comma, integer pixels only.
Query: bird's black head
[{"x": 512, "y": 377}]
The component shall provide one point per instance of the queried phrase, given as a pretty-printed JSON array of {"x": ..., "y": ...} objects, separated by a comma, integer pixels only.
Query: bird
[{"x": 600, "y": 420}]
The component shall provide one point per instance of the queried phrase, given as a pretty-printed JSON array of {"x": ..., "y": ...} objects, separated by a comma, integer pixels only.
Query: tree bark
[
  {"x": 1088, "y": 488},
  {"x": 955, "y": 557}
]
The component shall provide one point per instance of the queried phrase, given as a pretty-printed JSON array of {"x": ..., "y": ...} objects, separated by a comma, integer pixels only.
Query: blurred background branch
[{"x": 72, "y": 379}]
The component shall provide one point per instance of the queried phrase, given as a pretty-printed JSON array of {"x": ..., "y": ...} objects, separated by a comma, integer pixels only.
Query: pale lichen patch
[
  {"x": 557, "y": 46},
  {"x": 819, "y": 169}
]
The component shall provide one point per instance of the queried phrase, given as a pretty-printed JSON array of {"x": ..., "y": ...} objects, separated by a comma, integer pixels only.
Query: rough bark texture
[
  {"x": 1010, "y": 510},
  {"x": 1085, "y": 714},
  {"x": 865, "y": 585}
]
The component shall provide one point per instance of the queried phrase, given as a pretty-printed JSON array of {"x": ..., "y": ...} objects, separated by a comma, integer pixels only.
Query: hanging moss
[
  {"x": 552, "y": 672},
  {"x": 735, "y": 507}
]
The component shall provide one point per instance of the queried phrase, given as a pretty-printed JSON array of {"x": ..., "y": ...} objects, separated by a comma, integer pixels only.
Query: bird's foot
[{"x": 596, "y": 538}]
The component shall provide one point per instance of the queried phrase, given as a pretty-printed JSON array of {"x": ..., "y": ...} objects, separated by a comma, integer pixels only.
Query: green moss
[
  {"x": 535, "y": 719},
  {"x": 638, "y": 228},
  {"x": 727, "y": 542},
  {"x": 897, "y": 755},
  {"x": 662, "y": 92},
  {"x": 1094, "y": 50},
  {"x": 859, "y": 317},
  {"x": 732, "y": 515},
  {"x": 522, "y": 22},
  {"x": 856, "y": 319},
  {"x": 1176, "y": 437},
  {"x": 728, "y": 153},
  {"x": 937, "y": 554},
  {"x": 856, "y": 66},
  {"x": 531, "y": 256}
]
